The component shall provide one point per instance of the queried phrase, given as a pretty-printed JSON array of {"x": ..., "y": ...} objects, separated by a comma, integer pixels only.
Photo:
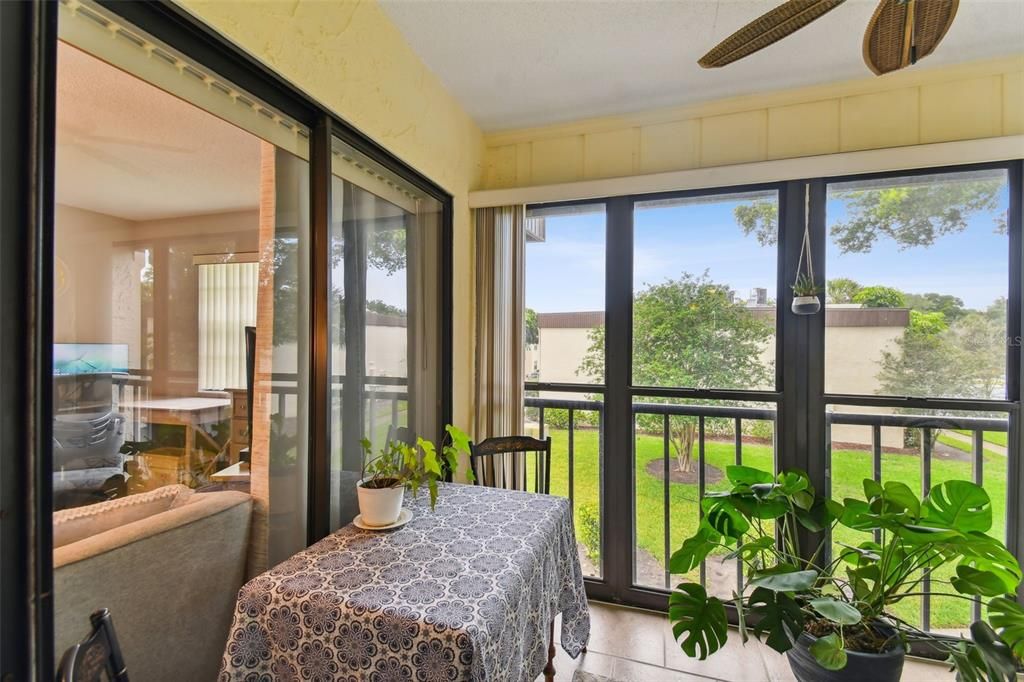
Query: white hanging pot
[
  {"x": 806, "y": 305},
  {"x": 379, "y": 506}
]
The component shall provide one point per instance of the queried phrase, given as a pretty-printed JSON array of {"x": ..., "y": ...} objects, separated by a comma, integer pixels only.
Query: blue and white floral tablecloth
[{"x": 466, "y": 592}]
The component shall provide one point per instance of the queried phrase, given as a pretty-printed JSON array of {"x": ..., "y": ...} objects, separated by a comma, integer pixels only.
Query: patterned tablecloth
[{"x": 464, "y": 593}]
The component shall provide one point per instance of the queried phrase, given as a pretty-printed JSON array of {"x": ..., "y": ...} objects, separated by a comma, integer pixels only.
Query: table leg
[{"x": 549, "y": 669}]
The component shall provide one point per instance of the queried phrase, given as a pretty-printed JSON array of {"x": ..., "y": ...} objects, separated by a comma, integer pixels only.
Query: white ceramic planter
[
  {"x": 806, "y": 305},
  {"x": 379, "y": 506}
]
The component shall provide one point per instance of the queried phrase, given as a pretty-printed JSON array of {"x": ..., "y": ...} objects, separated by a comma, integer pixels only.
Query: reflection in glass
[{"x": 384, "y": 317}]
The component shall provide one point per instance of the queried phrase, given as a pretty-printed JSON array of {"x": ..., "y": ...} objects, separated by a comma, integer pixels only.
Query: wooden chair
[
  {"x": 503, "y": 463},
  {"x": 402, "y": 434},
  {"x": 95, "y": 655}
]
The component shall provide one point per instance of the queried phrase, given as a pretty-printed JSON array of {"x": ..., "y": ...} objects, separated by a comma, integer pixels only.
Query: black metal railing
[
  {"x": 929, "y": 426},
  {"x": 702, "y": 413},
  {"x": 739, "y": 416}
]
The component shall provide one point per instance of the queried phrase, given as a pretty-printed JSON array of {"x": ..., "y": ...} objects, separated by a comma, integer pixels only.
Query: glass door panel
[
  {"x": 704, "y": 308},
  {"x": 565, "y": 344},
  {"x": 384, "y": 309}
]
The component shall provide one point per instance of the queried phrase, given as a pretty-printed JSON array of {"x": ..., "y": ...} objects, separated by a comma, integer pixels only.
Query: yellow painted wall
[
  {"x": 349, "y": 56},
  {"x": 918, "y": 106}
]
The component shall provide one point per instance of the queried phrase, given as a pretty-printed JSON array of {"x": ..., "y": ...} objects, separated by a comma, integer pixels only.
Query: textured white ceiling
[
  {"x": 130, "y": 150},
  {"x": 517, "y": 63}
]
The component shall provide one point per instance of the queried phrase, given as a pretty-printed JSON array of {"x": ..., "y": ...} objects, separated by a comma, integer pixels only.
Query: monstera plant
[{"x": 833, "y": 612}]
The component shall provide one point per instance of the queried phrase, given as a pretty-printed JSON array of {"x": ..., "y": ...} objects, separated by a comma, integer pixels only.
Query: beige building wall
[{"x": 852, "y": 357}]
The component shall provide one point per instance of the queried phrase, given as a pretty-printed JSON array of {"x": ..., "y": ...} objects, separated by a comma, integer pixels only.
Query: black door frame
[
  {"x": 27, "y": 70},
  {"x": 800, "y": 394},
  {"x": 28, "y": 46}
]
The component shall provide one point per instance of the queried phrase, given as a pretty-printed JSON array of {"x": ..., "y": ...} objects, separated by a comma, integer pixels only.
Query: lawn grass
[
  {"x": 996, "y": 437},
  {"x": 849, "y": 468}
]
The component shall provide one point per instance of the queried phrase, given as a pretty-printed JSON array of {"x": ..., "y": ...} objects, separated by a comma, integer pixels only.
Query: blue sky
[{"x": 566, "y": 272}]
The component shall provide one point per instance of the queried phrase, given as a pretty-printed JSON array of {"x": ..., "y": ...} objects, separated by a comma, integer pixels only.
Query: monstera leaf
[
  {"x": 724, "y": 518},
  {"x": 986, "y": 554},
  {"x": 780, "y": 617},
  {"x": 960, "y": 505},
  {"x": 836, "y": 611},
  {"x": 1007, "y": 616},
  {"x": 829, "y": 653},
  {"x": 793, "y": 581},
  {"x": 698, "y": 621},
  {"x": 741, "y": 475},
  {"x": 970, "y": 580},
  {"x": 693, "y": 550},
  {"x": 991, "y": 654}
]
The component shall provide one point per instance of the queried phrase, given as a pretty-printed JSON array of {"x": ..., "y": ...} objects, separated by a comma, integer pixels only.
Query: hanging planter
[{"x": 805, "y": 292}]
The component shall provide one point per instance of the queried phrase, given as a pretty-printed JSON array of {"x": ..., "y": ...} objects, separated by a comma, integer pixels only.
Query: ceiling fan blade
[
  {"x": 901, "y": 32},
  {"x": 768, "y": 28}
]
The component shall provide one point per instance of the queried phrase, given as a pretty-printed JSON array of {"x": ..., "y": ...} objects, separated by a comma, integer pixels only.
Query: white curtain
[
  {"x": 500, "y": 250},
  {"x": 227, "y": 304}
]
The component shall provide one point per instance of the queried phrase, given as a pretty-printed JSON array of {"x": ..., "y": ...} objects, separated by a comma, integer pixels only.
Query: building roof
[{"x": 834, "y": 317}]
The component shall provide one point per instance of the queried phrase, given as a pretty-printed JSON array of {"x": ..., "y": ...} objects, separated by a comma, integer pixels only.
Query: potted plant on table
[
  {"x": 398, "y": 467},
  {"x": 835, "y": 617}
]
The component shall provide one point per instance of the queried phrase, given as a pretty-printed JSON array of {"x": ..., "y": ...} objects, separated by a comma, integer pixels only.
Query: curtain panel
[{"x": 500, "y": 296}]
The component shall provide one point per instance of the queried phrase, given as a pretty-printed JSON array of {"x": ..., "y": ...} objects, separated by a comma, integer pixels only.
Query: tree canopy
[
  {"x": 880, "y": 297},
  {"x": 913, "y": 214},
  {"x": 841, "y": 290},
  {"x": 688, "y": 332}
]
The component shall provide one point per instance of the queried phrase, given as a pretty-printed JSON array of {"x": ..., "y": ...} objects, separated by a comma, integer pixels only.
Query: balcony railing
[{"x": 928, "y": 426}]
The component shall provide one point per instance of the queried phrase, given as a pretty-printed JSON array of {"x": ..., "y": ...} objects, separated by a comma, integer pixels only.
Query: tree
[
  {"x": 880, "y": 297},
  {"x": 841, "y": 290},
  {"x": 384, "y": 308},
  {"x": 950, "y": 306},
  {"x": 531, "y": 330},
  {"x": 925, "y": 361},
  {"x": 965, "y": 359},
  {"x": 688, "y": 332},
  {"x": 910, "y": 214}
]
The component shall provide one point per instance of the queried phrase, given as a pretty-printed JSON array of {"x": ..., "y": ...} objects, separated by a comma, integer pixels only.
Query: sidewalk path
[{"x": 994, "y": 447}]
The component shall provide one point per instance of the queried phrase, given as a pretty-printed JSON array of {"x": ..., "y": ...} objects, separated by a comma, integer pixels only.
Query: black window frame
[
  {"x": 29, "y": 49},
  {"x": 799, "y": 394}
]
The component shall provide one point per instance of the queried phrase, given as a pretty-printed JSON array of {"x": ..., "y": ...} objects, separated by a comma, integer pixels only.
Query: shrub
[{"x": 590, "y": 532}]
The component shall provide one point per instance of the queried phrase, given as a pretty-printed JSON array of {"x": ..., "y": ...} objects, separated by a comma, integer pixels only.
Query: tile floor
[{"x": 630, "y": 645}]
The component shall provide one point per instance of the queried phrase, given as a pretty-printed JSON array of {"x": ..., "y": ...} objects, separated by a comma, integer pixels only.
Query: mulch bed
[{"x": 656, "y": 468}]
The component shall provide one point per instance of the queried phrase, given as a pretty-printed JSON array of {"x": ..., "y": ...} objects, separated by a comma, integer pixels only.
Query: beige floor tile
[
  {"x": 631, "y": 671},
  {"x": 627, "y": 633},
  {"x": 734, "y": 662},
  {"x": 924, "y": 671}
]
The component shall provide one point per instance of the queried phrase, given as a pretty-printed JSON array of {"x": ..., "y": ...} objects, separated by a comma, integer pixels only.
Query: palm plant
[{"x": 845, "y": 603}]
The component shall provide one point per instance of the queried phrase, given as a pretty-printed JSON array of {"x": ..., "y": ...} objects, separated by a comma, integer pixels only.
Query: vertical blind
[{"x": 227, "y": 304}]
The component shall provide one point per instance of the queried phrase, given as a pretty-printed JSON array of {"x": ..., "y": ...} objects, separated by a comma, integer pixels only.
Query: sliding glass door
[
  {"x": 385, "y": 317},
  {"x": 165, "y": 434}
]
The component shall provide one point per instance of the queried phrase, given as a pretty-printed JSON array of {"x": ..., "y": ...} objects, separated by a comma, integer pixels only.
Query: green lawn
[
  {"x": 849, "y": 467},
  {"x": 997, "y": 437}
]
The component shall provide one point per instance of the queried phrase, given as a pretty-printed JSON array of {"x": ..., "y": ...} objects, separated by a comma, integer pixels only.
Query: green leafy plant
[
  {"x": 845, "y": 602},
  {"x": 399, "y": 464},
  {"x": 805, "y": 286}
]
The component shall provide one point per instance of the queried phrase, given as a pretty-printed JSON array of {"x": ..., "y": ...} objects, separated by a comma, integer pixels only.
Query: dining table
[{"x": 467, "y": 591}]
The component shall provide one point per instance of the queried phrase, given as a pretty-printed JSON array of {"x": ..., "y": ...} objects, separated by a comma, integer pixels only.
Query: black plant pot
[
  {"x": 884, "y": 667},
  {"x": 806, "y": 305}
]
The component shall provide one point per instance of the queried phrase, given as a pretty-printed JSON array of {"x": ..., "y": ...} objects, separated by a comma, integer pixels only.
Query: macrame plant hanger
[{"x": 806, "y": 304}]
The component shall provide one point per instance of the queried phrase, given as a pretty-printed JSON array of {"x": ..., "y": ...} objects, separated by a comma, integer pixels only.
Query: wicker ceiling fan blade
[
  {"x": 902, "y": 32},
  {"x": 768, "y": 28}
]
